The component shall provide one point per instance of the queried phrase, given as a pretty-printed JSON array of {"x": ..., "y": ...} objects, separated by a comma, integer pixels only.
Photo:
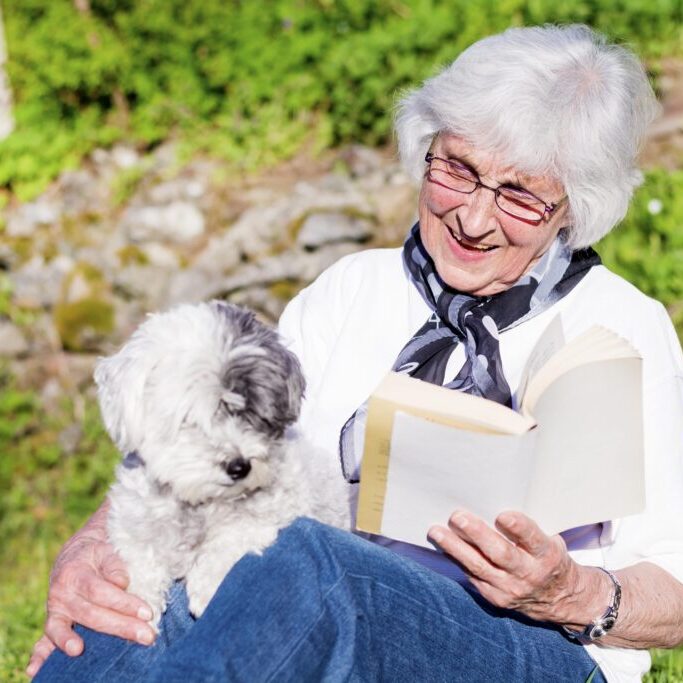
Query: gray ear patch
[{"x": 269, "y": 379}]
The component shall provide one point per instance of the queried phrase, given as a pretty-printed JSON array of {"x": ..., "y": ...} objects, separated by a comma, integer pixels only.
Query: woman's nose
[{"x": 477, "y": 217}]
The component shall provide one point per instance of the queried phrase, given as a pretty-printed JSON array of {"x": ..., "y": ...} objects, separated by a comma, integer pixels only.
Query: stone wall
[{"x": 127, "y": 234}]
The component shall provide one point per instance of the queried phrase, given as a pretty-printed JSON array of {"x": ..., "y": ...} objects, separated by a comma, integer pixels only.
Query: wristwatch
[{"x": 596, "y": 629}]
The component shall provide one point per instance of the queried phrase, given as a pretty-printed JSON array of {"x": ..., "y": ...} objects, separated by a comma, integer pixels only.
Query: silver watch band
[{"x": 596, "y": 629}]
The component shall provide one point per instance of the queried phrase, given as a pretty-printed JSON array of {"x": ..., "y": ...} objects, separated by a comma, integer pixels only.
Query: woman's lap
[{"x": 321, "y": 604}]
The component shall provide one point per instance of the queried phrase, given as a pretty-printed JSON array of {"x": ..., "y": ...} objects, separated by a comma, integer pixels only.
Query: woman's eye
[{"x": 461, "y": 171}]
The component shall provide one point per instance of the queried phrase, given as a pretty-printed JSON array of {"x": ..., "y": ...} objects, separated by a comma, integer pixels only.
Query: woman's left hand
[{"x": 518, "y": 566}]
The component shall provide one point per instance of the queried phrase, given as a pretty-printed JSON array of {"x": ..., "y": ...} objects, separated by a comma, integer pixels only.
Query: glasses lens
[
  {"x": 520, "y": 204},
  {"x": 452, "y": 175}
]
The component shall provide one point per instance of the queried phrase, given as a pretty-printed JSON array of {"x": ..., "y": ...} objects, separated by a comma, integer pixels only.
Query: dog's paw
[{"x": 198, "y": 602}]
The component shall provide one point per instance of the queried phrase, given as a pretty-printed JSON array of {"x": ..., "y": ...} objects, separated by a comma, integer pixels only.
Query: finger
[
  {"x": 493, "y": 594},
  {"x": 108, "y": 621},
  {"x": 41, "y": 651},
  {"x": 59, "y": 629},
  {"x": 111, "y": 596},
  {"x": 114, "y": 570},
  {"x": 467, "y": 556},
  {"x": 488, "y": 542},
  {"x": 523, "y": 532}
]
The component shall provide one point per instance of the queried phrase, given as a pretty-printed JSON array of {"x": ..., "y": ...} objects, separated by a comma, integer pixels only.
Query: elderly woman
[{"x": 525, "y": 149}]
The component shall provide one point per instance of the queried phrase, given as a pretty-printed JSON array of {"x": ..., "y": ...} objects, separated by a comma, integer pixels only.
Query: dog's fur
[{"x": 195, "y": 394}]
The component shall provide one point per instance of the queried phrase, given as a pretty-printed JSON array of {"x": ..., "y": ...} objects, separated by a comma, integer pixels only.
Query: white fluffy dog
[{"x": 201, "y": 401}]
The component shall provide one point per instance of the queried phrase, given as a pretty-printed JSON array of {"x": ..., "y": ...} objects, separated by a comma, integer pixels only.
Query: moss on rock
[{"x": 82, "y": 324}]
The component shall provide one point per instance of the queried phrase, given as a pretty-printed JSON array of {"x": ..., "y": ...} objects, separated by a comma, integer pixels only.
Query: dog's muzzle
[{"x": 238, "y": 468}]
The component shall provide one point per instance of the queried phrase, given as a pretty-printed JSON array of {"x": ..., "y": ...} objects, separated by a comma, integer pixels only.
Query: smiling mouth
[{"x": 468, "y": 246}]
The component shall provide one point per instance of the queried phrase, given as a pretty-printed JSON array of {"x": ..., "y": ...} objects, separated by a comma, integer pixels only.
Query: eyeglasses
[{"x": 517, "y": 203}]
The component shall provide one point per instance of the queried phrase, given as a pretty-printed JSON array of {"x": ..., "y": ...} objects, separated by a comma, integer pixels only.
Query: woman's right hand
[{"x": 87, "y": 586}]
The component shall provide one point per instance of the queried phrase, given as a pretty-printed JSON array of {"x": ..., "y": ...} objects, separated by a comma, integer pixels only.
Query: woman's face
[{"x": 476, "y": 247}]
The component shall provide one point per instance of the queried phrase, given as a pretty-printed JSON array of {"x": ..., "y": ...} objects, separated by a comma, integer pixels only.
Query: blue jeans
[{"x": 324, "y": 605}]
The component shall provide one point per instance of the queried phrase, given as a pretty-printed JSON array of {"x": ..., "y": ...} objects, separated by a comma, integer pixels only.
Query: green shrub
[
  {"x": 647, "y": 248},
  {"x": 251, "y": 82}
]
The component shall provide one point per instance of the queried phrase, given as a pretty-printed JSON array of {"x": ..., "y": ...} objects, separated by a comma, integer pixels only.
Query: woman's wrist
[
  {"x": 94, "y": 530},
  {"x": 589, "y": 599}
]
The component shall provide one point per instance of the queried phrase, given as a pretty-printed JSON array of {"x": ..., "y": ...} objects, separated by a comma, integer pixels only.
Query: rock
[
  {"x": 188, "y": 286},
  {"x": 177, "y": 222},
  {"x": 69, "y": 438},
  {"x": 81, "y": 193},
  {"x": 396, "y": 209},
  {"x": 160, "y": 255},
  {"x": 292, "y": 265},
  {"x": 38, "y": 284},
  {"x": 78, "y": 369},
  {"x": 51, "y": 395},
  {"x": 12, "y": 340},
  {"x": 362, "y": 161},
  {"x": 270, "y": 225},
  {"x": 79, "y": 287},
  {"x": 262, "y": 301},
  {"x": 177, "y": 189},
  {"x": 320, "y": 229},
  {"x": 147, "y": 284},
  {"x": 124, "y": 157},
  {"x": 23, "y": 221},
  {"x": 100, "y": 156}
]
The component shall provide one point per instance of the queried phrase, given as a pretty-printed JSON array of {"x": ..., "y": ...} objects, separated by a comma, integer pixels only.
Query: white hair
[{"x": 553, "y": 101}]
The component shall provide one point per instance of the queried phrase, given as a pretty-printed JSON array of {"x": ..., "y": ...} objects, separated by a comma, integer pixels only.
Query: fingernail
[
  {"x": 145, "y": 613},
  {"x": 144, "y": 637},
  {"x": 506, "y": 520},
  {"x": 436, "y": 535},
  {"x": 459, "y": 520},
  {"x": 72, "y": 648}
]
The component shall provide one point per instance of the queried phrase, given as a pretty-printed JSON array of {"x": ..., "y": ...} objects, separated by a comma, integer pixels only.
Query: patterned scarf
[{"x": 476, "y": 322}]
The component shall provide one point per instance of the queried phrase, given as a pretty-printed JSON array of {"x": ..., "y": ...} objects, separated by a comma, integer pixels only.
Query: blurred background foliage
[
  {"x": 250, "y": 81},
  {"x": 253, "y": 83}
]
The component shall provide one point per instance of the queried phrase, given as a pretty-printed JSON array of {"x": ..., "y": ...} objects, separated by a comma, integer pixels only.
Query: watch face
[
  {"x": 596, "y": 632},
  {"x": 607, "y": 623}
]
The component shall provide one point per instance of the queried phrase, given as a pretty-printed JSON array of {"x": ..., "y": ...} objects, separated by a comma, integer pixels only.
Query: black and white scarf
[{"x": 473, "y": 321}]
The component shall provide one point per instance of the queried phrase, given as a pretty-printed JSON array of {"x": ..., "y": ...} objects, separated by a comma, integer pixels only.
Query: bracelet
[{"x": 596, "y": 629}]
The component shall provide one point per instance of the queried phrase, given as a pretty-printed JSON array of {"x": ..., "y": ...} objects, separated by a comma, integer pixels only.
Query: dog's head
[{"x": 202, "y": 394}]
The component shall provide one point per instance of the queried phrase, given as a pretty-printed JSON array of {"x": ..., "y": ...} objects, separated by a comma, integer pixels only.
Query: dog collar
[{"x": 133, "y": 460}]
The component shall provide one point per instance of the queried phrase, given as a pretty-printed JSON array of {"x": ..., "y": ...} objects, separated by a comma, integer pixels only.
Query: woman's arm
[
  {"x": 87, "y": 586},
  {"x": 518, "y": 567}
]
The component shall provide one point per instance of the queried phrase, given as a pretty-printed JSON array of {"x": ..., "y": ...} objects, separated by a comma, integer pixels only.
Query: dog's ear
[
  {"x": 120, "y": 381},
  {"x": 269, "y": 379}
]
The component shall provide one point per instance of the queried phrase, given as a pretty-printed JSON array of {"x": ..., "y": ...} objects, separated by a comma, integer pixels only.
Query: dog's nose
[{"x": 238, "y": 468}]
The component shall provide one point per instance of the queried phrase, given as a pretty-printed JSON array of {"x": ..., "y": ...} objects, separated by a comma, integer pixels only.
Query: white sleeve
[
  {"x": 656, "y": 535},
  {"x": 310, "y": 323}
]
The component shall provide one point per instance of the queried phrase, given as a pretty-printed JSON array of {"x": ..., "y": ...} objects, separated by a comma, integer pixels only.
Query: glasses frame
[{"x": 547, "y": 210}]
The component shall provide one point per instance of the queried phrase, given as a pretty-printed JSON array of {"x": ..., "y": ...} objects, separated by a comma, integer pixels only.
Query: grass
[{"x": 46, "y": 496}]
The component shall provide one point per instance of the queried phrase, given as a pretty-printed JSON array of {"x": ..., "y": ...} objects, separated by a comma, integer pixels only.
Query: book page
[
  {"x": 549, "y": 343},
  {"x": 434, "y": 469},
  {"x": 399, "y": 392},
  {"x": 589, "y": 465},
  {"x": 446, "y": 406},
  {"x": 595, "y": 344}
]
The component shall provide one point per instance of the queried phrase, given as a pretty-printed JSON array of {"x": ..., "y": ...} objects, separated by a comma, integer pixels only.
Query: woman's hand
[
  {"x": 87, "y": 586},
  {"x": 519, "y": 567}
]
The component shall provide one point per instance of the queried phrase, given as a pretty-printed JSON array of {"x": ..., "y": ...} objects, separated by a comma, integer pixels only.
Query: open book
[{"x": 571, "y": 455}]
